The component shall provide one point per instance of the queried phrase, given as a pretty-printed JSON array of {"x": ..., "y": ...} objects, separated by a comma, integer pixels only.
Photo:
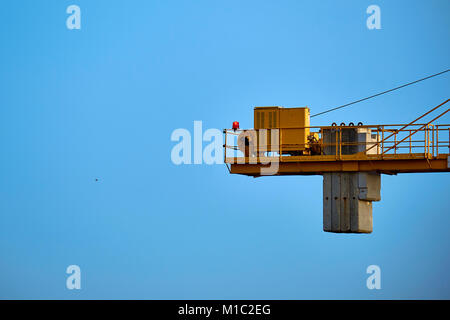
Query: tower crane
[{"x": 350, "y": 157}]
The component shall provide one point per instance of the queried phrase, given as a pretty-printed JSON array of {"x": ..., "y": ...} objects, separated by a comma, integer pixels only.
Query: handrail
[
  {"x": 413, "y": 122},
  {"x": 432, "y": 141},
  {"x": 413, "y": 133}
]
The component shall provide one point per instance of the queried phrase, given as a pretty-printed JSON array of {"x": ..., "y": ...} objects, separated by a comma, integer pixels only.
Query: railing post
[
  {"x": 378, "y": 141},
  {"x": 437, "y": 140},
  {"x": 395, "y": 142},
  {"x": 410, "y": 142},
  {"x": 432, "y": 140}
]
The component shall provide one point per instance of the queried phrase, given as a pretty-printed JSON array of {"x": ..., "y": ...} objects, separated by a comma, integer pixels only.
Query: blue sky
[{"x": 102, "y": 102}]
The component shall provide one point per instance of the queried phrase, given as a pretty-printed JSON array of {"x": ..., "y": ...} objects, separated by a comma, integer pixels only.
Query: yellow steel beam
[{"x": 388, "y": 165}]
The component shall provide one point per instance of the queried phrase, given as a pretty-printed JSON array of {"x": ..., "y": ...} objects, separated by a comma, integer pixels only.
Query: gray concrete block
[
  {"x": 345, "y": 202},
  {"x": 369, "y": 184},
  {"x": 335, "y": 202},
  {"x": 343, "y": 211},
  {"x": 362, "y": 221},
  {"x": 327, "y": 201}
]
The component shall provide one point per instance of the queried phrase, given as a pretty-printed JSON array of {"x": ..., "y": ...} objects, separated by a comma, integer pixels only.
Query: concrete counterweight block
[
  {"x": 348, "y": 196},
  {"x": 347, "y": 201}
]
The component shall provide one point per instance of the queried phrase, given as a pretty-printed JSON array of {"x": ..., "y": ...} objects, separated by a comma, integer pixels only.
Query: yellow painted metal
[
  {"x": 387, "y": 166},
  {"x": 425, "y": 127},
  {"x": 292, "y": 124},
  {"x": 412, "y": 122},
  {"x": 266, "y": 117}
]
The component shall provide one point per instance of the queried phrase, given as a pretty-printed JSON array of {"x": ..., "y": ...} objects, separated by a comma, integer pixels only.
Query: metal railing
[{"x": 346, "y": 142}]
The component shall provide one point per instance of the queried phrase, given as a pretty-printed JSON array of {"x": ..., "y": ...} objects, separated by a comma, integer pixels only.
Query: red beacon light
[{"x": 235, "y": 125}]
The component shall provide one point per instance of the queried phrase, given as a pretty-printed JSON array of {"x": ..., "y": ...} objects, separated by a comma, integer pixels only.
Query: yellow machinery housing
[
  {"x": 293, "y": 125},
  {"x": 277, "y": 129}
]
